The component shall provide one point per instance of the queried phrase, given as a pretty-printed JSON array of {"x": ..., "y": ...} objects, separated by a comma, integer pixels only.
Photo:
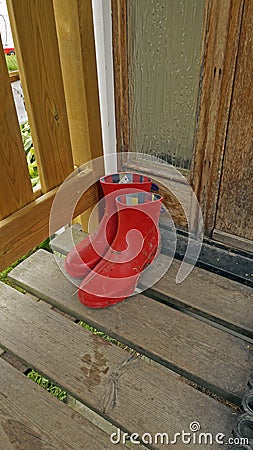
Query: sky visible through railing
[{"x": 5, "y": 28}]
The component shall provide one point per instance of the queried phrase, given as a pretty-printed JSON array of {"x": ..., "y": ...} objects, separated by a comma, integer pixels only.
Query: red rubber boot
[
  {"x": 87, "y": 253},
  {"x": 134, "y": 247}
]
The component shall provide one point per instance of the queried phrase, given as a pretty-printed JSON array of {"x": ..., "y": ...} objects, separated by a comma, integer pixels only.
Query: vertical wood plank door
[{"x": 235, "y": 204}]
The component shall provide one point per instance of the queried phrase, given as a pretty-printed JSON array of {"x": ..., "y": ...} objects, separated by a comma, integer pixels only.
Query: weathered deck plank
[
  {"x": 211, "y": 357},
  {"x": 33, "y": 419},
  {"x": 63, "y": 242},
  {"x": 214, "y": 257},
  {"x": 138, "y": 396},
  {"x": 224, "y": 300},
  {"x": 220, "y": 299}
]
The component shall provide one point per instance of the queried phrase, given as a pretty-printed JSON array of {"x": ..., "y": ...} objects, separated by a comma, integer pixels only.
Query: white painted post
[{"x": 103, "y": 42}]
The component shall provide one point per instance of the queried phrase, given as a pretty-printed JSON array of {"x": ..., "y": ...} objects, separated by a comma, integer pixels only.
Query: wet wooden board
[
  {"x": 31, "y": 418},
  {"x": 213, "y": 358},
  {"x": 128, "y": 391}
]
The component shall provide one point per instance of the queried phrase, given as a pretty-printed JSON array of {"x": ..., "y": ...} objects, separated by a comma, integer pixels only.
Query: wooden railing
[{"x": 55, "y": 49}]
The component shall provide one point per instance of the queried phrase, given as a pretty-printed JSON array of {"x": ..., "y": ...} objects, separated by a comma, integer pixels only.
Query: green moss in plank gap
[{"x": 42, "y": 381}]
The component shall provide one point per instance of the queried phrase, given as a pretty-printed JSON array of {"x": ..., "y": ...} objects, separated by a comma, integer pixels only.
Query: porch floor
[{"x": 185, "y": 357}]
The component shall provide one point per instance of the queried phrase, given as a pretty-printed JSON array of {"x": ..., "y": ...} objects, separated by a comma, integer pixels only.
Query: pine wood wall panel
[
  {"x": 74, "y": 23},
  {"x": 35, "y": 39}
]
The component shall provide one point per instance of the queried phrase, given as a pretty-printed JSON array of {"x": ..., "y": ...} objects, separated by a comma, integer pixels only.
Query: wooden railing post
[
  {"x": 74, "y": 23},
  {"x": 15, "y": 184},
  {"x": 35, "y": 38}
]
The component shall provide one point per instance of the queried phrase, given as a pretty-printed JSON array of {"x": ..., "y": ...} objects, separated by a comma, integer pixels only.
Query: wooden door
[
  {"x": 218, "y": 162},
  {"x": 157, "y": 59},
  {"x": 234, "y": 218}
]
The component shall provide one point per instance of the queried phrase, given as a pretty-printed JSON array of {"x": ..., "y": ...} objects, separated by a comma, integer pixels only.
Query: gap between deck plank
[
  {"x": 210, "y": 357},
  {"x": 213, "y": 296},
  {"x": 213, "y": 257},
  {"x": 122, "y": 388}
]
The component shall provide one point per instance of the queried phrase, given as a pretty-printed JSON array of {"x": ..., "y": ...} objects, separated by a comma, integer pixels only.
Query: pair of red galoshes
[{"x": 132, "y": 215}]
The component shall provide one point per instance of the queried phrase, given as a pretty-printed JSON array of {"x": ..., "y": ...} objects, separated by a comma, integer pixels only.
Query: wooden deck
[{"x": 192, "y": 356}]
